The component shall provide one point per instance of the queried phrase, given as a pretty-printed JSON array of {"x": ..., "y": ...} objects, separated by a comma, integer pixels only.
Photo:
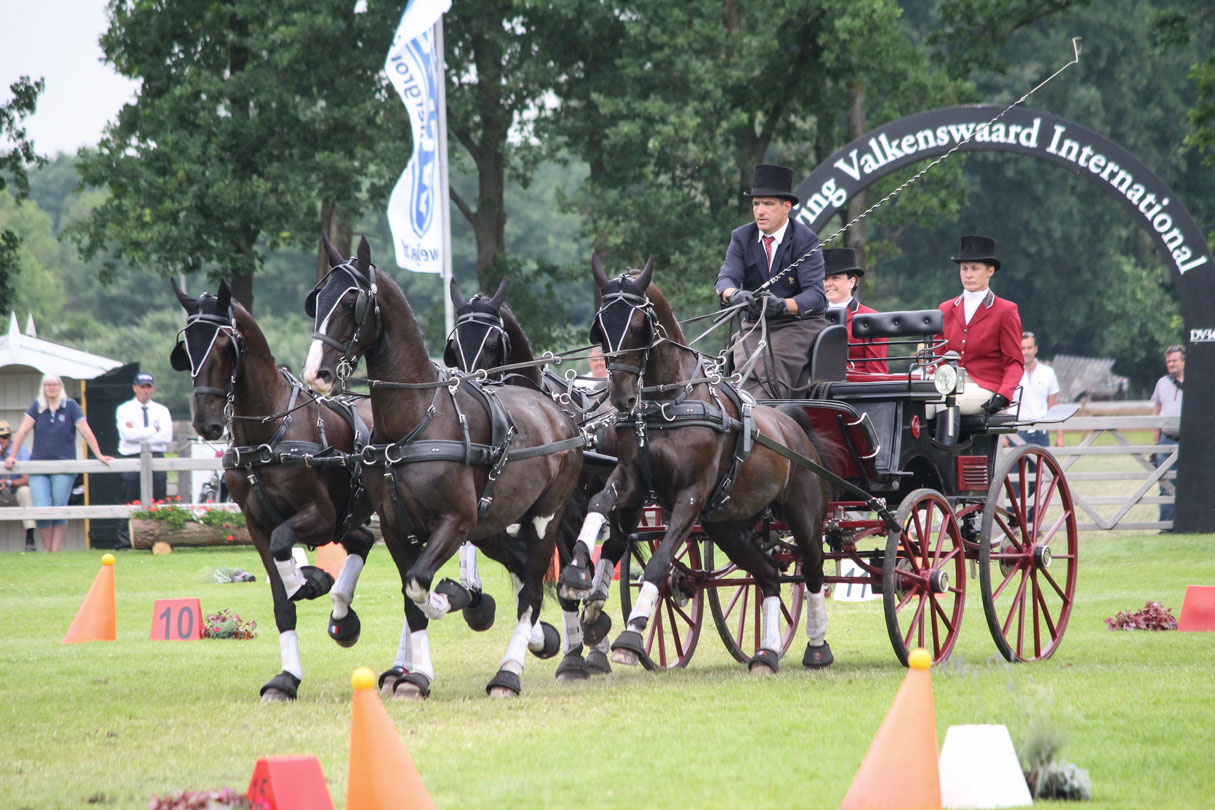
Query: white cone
[{"x": 979, "y": 769}]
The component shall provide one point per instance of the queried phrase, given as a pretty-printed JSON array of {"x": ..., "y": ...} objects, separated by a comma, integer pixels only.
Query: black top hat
[
  {"x": 771, "y": 180},
  {"x": 978, "y": 249},
  {"x": 841, "y": 260}
]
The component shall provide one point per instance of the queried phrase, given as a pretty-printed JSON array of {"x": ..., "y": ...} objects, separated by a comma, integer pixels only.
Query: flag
[{"x": 414, "y": 208}]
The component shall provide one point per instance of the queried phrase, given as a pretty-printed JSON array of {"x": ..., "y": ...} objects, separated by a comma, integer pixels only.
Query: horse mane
[
  {"x": 666, "y": 316},
  {"x": 387, "y": 287},
  {"x": 256, "y": 347},
  {"x": 520, "y": 346}
]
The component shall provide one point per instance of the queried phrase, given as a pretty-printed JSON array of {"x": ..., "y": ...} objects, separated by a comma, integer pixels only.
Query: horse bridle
[
  {"x": 365, "y": 303},
  {"x": 224, "y": 324},
  {"x": 491, "y": 322},
  {"x": 634, "y": 302}
]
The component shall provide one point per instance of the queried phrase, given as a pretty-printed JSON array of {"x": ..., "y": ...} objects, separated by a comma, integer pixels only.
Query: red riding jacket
[{"x": 990, "y": 345}]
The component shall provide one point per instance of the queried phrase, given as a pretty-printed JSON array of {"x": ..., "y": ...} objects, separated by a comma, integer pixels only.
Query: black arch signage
[{"x": 1079, "y": 150}]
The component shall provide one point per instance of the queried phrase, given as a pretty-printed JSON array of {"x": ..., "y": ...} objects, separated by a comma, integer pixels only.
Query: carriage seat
[
  {"x": 902, "y": 323},
  {"x": 828, "y": 354}
]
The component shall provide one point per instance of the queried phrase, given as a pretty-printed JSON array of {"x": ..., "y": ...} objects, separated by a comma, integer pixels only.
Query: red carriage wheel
[
  {"x": 1027, "y": 555},
  {"x": 737, "y": 604},
  {"x": 924, "y": 577},
  {"x": 674, "y": 629}
]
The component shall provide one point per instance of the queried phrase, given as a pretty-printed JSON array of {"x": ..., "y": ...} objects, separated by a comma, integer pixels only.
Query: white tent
[{"x": 49, "y": 357}]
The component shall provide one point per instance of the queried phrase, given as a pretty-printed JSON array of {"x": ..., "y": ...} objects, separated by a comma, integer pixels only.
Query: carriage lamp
[{"x": 945, "y": 379}]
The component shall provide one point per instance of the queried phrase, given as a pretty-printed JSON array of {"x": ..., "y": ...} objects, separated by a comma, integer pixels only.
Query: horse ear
[
  {"x": 224, "y": 294},
  {"x": 457, "y": 297},
  {"x": 335, "y": 258},
  {"x": 647, "y": 273},
  {"x": 499, "y": 296},
  {"x": 597, "y": 271},
  {"x": 364, "y": 257},
  {"x": 187, "y": 303}
]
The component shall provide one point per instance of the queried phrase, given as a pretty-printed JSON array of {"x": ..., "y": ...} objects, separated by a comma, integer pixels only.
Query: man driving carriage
[{"x": 793, "y": 303}]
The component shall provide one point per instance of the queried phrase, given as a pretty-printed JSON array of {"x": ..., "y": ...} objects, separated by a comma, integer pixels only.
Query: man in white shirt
[
  {"x": 141, "y": 420},
  {"x": 1166, "y": 401},
  {"x": 1038, "y": 393}
]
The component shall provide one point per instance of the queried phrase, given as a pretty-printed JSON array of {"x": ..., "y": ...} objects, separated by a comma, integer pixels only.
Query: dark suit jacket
[
  {"x": 990, "y": 345},
  {"x": 746, "y": 266}
]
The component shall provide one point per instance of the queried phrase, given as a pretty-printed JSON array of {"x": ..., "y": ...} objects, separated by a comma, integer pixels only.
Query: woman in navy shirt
[{"x": 55, "y": 420}]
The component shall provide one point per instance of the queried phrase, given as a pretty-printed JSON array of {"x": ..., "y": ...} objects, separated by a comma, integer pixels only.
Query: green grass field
[{"x": 111, "y": 724}]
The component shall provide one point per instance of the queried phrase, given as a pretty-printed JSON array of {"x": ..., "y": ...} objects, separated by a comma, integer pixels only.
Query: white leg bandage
[
  {"x": 816, "y": 618},
  {"x": 592, "y": 526},
  {"x": 436, "y": 606},
  {"x": 770, "y": 632},
  {"x": 343, "y": 590},
  {"x": 289, "y": 573},
  {"x": 513, "y": 660},
  {"x": 403, "y": 659},
  {"x": 419, "y": 654},
  {"x": 469, "y": 577},
  {"x": 289, "y": 650},
  {"x": 646, "y": 601},
  {"x": 603, "y": 575},
  {"x": 573, "y": 630}
]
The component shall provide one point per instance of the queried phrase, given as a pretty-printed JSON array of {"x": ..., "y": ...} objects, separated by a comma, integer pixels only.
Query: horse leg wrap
[
  {"x": 289, "y": 573},
  {"x": 572, "y": 666},
  {"x": 770, "y": 633},
  {"x": 644, "y": 608},
  {"x": 317, "y": 582},
  {"x": 573, "y": 629},
  {"x": 435, "y": 605},
  {"x": 468, "y": 567},
  {"x": 282, "y": 687},
  {"x": 343, "y": 590},
  {"x": 816, "y": 617},
  {"x": 289, "y": 652}
]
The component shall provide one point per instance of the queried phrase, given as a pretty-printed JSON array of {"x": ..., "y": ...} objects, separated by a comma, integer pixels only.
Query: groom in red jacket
[{"x": 984, "y": 330}]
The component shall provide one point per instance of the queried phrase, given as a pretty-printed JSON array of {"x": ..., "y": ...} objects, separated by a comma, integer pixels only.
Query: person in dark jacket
[{"x": 774, "y": 265}]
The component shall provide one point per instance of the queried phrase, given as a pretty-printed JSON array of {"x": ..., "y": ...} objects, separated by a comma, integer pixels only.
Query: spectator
[
  {"x": 1037, "y": 393},
  {"x": 16, "y": 487},
  {"x": 1166, "y": 401},
  {"x": 841, "y": 276},
  {"x": 984, "y": 330},
  {"x": 598, "y": 364},
  {"x": 794, "y": 304},
  {"x": 55, "y": 419},
  {"x": 141, "y": 420}
]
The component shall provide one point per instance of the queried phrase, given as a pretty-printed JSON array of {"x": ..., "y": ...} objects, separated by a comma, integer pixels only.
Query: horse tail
[{"x": 830, "y": 454}]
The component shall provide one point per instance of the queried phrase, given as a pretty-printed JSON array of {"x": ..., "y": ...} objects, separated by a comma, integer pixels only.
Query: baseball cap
[
  {"x": 5, "y": 429},
  {"x": 143, "y": 378}
]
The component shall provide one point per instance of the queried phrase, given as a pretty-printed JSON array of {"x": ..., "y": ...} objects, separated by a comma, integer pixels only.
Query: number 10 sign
[{"x": 177, "y": 620}]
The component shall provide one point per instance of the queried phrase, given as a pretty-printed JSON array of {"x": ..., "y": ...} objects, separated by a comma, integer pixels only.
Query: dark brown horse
[
  {"x": 294, "y": 482},
  {"x": 699, "y": 449},
  {"x": 461, "y": 463},
  {"x": 486, "y": 337}
]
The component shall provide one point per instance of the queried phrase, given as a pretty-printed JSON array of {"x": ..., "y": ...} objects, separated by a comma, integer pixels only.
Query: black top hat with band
[
  {"x": 771, "y": 180},
  {"x": 978, "y": 249},
  {"x": 841, "y": 260}
]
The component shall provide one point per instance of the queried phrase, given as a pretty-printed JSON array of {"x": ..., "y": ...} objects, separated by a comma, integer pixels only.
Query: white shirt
[
  {"x": 159, "y": 431},
  {"x": 777, "y": 237},
  {"x": 1035, "y": 391},
  {"x": 971, "y": 301},
  {"x": 841, "y": 305}
]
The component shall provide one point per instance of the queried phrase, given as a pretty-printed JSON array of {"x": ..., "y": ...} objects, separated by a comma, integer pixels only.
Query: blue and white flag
[{"x": 413, "y": 67}]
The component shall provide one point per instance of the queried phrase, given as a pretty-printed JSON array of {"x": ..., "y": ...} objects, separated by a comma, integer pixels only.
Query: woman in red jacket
[
  {"x": 984, "y": 330},
  {"x": 840, "y": 282}
]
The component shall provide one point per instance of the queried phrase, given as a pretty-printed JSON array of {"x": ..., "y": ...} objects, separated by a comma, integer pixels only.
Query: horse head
[
  {"x": 341, "y": 304},
  {"x": 479, "y": 340},
  {"x": 625, "y": 327},
  {"x": 210, "y": 348}
]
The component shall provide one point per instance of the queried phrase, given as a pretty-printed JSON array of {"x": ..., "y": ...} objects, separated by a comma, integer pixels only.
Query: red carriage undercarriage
[{"x": 963, "y": 513}]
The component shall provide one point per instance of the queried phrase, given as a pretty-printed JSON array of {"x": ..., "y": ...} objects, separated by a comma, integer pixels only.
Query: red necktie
[{"x": 768, "y": 250}]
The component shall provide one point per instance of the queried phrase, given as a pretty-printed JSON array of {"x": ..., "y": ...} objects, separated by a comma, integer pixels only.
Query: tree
[
  {"x": 250, "y": 120},
  {"x": 16, "y": 156}
]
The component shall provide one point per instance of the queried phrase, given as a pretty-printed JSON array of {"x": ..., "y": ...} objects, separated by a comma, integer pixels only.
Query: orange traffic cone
[
  {"x": 553, "y": 572},
  {"x": 1198, "y": 608},
  {"x": 380, "y": 774},
  {"x": 330, "y": 558},
  {"x": 96, "y": 620},
  {"x": 900, "y": 770}
]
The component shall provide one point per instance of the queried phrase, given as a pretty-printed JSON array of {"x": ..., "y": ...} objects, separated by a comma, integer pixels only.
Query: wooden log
[{"x": 145, "y": 533}]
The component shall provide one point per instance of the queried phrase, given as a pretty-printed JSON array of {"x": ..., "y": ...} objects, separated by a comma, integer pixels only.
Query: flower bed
[{"x": 188, "y": 525}]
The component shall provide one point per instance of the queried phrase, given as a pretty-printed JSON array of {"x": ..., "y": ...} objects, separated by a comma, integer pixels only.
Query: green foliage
[
  {"x": 175, "y": 516},
  {"x": 16, "y": 149}
]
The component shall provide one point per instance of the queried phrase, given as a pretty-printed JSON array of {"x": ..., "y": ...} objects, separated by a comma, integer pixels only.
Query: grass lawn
[{"x": 112, "y": 724}]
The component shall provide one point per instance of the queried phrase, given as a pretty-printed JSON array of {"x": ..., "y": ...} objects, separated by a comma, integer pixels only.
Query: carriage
[{"x": 927, "y": 502}]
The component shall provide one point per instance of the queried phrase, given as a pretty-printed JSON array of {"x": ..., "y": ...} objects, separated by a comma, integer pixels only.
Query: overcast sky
[{"x": 57, "y": 40}]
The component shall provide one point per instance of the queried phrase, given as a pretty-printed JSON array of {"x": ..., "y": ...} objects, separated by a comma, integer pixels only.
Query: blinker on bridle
[
  {"x": 489, "y": 324},
  {"x": 364, "y": 302},
  {"x": 632, "y": 302}
]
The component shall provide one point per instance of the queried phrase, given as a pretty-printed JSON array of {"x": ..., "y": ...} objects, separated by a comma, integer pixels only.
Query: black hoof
[
  {"x": 345, "y": 631},
  {"x": 480, "y": 612},
  {"x": 597, "y": 663},
  {"x": 504, "y": 684},
  {"x": 629, "y": 649},
  {"x": 597, "y": 630},
  {"x": 388, "y": 680},
  {"x": 457, "y": 595},
  {"x": 552, "y": 642},
  {"x": 317, "y": 582},
  {"x": 282, "y": 687},
  {"x": 417, "y": 686},
  {"x": 817, "y": 657},
  {"x": 573, "y": 667},
  {"x": 763, "y": 660}
]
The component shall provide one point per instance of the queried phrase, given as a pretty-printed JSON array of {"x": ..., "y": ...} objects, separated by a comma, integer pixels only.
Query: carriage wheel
[
  {"x": 1027, "y": 555},
  {"x": 737, "y": 604},
  {"x": 924, "y": 577},
  {"x": 674, "y": 629}
]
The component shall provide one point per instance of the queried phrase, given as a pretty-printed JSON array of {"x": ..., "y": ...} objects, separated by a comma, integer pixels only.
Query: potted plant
[{"x": 181, "y": 524}]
